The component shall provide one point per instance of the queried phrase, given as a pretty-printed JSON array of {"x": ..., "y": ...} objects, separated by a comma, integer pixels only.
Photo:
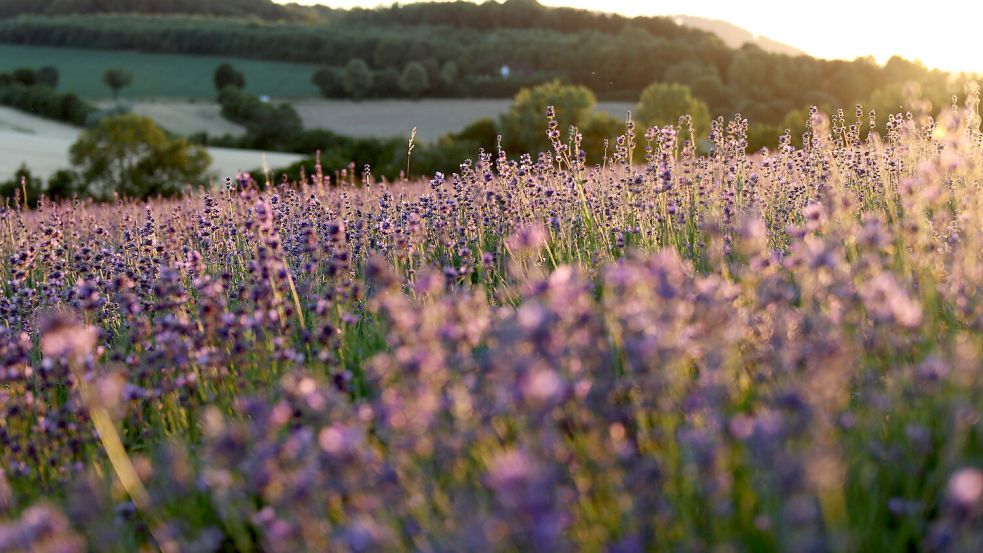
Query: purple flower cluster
[{"x": 720, "y": 351}]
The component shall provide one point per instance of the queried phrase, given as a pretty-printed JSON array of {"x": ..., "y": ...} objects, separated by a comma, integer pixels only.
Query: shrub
[
  {"x": 45, "y": 102},
  {"x": 226, "y": 75},
  {"x": 25, "y": 76},
  {"x": 64, "y": 184},
  {"x": 357, "y": 79},
  {"x": 12, "y": 191},
  {"x": 449, "y": 73},
  {"x": 48, "y": 76},
  {"x": 268, "y": 126},
  {"x": 131, "y": 156},
  {"x": 664, "y": 103},
  {"x": 385, "y": 84},
  {"x": 521, "y": 125},
  {"x": 414, "y": 80},
  {"x": 329, "y": 82}
]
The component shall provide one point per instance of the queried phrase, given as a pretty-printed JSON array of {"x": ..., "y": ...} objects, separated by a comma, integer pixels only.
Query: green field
[{"x": 158, "y": 75}]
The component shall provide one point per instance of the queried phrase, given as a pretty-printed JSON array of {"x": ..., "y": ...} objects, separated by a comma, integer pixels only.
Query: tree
[
  {"x": 132, "y": 156},
  {"x": 357, "y": 78},
  {"x": 524, "y": 125},
  {"x": 598, "y": 127},
  {"x": 390, "y": 52},
  {"x": 414, "y": 80},
  {"x": 269, "y": 126},
  {"x": 48, "y": 76},
  {"x": 226, "y": 75},
  {"x": 329, "y": 82},
  {"x": 449, "y": 73},
  {"x": 117, "y": 79},
  {"x": 385, "y": 83},
  {"x": 664, "y": 104},
  {"x": 63, "y": 185},
  {"x": 25, "y": 76},
  {"x": 448, "y": 81},
  {"x": 12, "y": 191}
]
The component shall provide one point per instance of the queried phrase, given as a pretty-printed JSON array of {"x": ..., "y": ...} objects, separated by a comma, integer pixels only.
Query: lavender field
[{"x": 681, "y": 349}]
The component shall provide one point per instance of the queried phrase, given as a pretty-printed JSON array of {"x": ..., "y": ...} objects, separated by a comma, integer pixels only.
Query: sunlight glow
[{"x": 940, "y": 34}]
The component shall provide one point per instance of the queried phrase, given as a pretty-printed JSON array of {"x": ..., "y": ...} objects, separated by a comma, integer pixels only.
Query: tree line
[
  {"x": 129, "y": 155},
  {"x": 264, "y": 9},
  {"x": 34, "y": 91},
  {"x": 492, "y": 50}
]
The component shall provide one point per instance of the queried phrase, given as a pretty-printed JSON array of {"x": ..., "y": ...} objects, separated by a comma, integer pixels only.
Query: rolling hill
[{"x": 735, "y": 36}]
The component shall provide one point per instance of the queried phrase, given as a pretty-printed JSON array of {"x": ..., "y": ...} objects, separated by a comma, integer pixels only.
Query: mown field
[
  {"x": 180, "y": 116},
  {"x": 43, "y": 146},
  {"x": 674, "y": 351},
  {"x": 432, "y": 118},
  {"x": 158, "y": 75}
]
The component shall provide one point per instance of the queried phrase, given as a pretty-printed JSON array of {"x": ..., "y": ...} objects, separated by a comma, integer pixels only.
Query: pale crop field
[
  {"x": 433, "y": 117},
  {"x": 43, "y": 146},
  {"x": 181, "y": 116}
]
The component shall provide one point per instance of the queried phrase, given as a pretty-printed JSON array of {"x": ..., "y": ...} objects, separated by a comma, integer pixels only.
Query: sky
[{"x": 940, "y": 33}]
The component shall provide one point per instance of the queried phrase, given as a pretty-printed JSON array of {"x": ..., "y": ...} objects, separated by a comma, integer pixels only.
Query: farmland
[
  {"x": 433, "y": 118},
  {"x": 181, "y": 117},
  {"x": 777, "y": 352},
  {"x": 738, "y": 319},
  {"x": 158, "y": 75},
  {"x": 43, "y": 146}
]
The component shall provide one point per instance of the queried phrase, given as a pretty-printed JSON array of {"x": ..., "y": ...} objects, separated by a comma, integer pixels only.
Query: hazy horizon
[{"x": 844, "y": 30}]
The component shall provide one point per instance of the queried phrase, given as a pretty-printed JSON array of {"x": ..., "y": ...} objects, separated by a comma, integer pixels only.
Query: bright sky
[{"x": 940, "y": 33}]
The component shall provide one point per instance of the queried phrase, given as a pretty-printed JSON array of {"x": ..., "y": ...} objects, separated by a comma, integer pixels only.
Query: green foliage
[
  {"x": 47, "y": 76},
  {"x": 62, "y": 185},
  {"x": 131, "y": 156},
  {"x": 278, "y": 127},
  {"x": 269, "y": 126},
  {"x": 598, "y": 128},
  {"x": 483, "y": 134},
  {"x": 25, "y": 76},
  {"x": 357, "y": 78},
  {"x": 763, "y": 136},
  {"x": 414, "y": 80},
  {"x": 663, "y": 104},
  {"x": 897, "y": 98},
  {"x": 449, "y": 73},
  {"x": 390, "y": 52},
  {"x": 328, "y": 82},
  {"x": 227, "y": 75},
  {"x": 524, "y": 127},
  {"x": 240, "y": 8},
  {"x": 616, "y": 57},
  {"x": 45, "y": 102},
  {"x": 385, "y": 83},
  {"x": 117, "y": 79},
  {"x": 12, "y": 191}
]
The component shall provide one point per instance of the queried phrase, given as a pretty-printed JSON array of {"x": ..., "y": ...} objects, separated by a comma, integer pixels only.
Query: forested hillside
[
  {"x": 463, "y": 48},
  {"x": 264, "y": 9}
]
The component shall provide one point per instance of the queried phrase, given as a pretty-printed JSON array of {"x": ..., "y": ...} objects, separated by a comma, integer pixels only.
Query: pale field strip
[{"x": 43, "y": 145}]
